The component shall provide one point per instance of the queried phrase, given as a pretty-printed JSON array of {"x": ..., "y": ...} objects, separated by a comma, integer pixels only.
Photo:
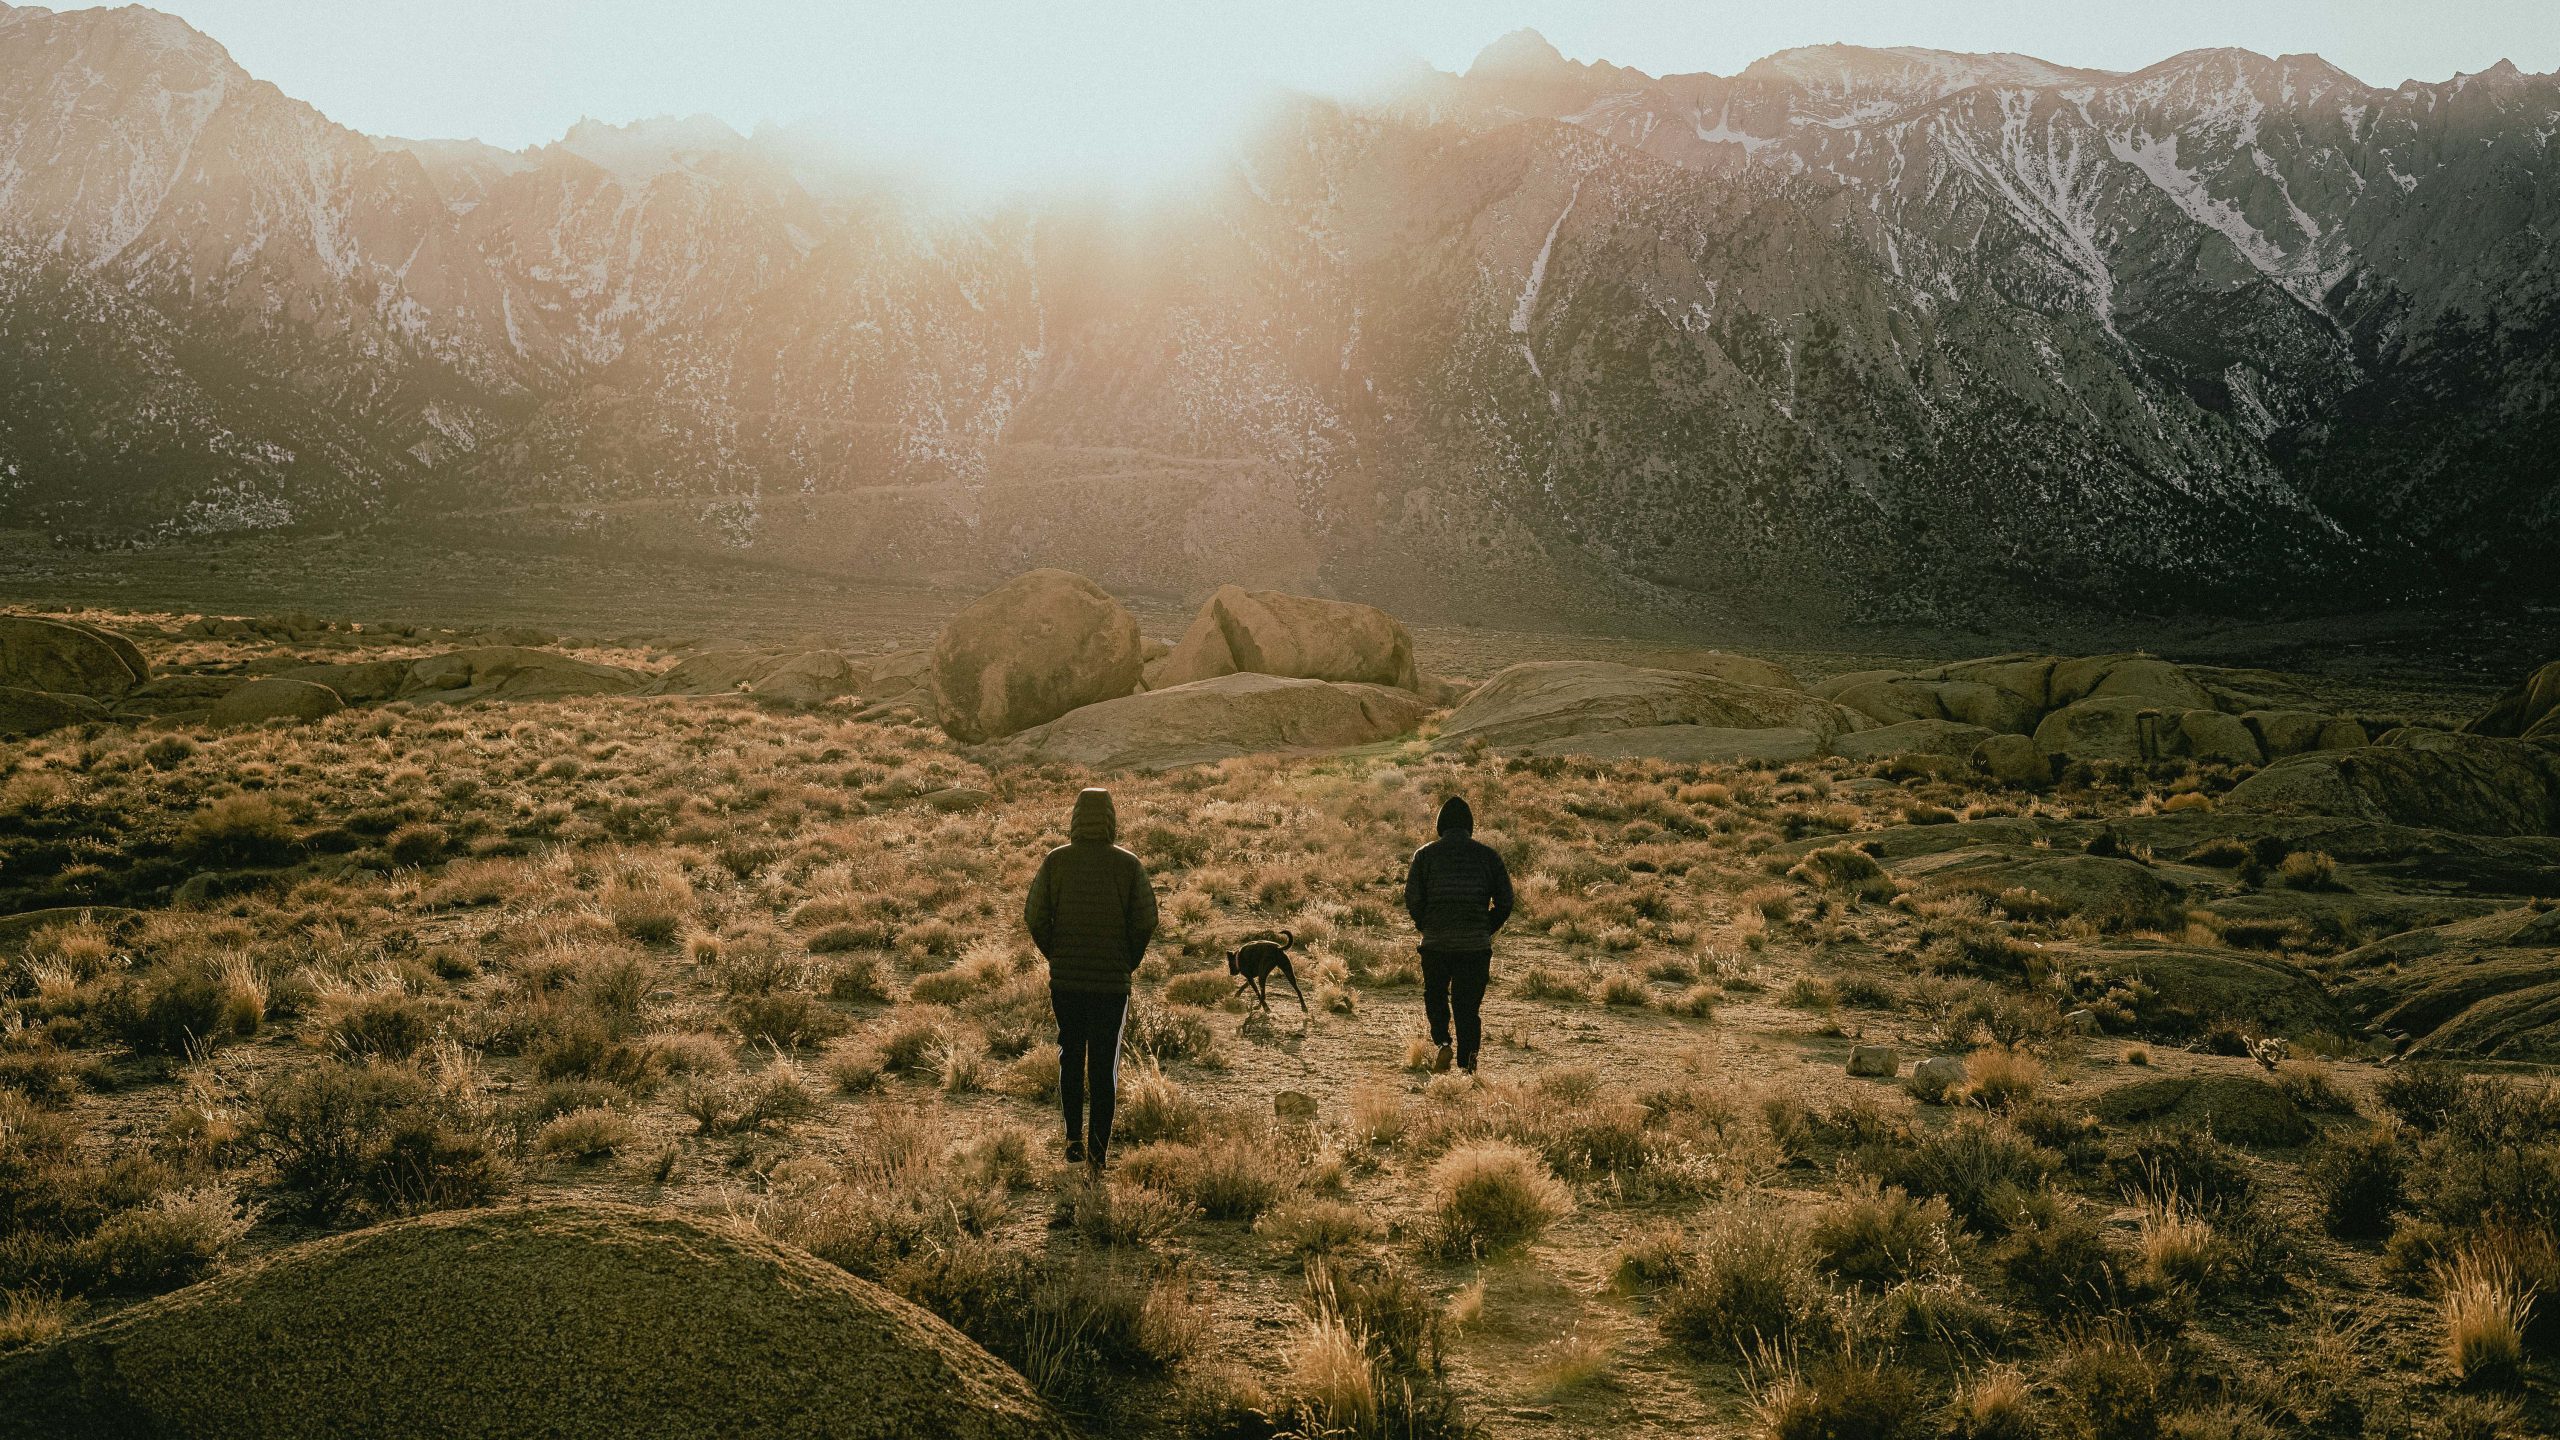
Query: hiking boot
[
  {"x": 1075, "y": 1152},
  {"x": 1440, "y": 1060}
]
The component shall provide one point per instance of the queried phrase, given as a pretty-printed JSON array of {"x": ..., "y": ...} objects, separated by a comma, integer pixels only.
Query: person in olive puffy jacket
[
  {"x": 1091, "y": 911},
  {"x": 1458, "y": 893}
]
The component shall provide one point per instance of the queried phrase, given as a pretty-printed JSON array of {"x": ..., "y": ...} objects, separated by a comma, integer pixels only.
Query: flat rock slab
[
  {"x": 1687, "y": 744},
  {"x": 1211, "y": 720}
]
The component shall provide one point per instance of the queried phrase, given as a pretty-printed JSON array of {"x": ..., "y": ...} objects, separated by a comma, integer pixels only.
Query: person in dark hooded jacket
[
  {"x": 1458, "y": 893},
  {"x": 1091, "y": 912}
]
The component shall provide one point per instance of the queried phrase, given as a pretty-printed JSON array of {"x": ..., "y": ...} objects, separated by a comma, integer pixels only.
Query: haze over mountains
[{"x": 1854, "y": 332}]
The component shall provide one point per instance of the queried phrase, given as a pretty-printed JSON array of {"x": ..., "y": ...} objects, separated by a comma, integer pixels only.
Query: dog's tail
[{"x": 1288, "y": 939}]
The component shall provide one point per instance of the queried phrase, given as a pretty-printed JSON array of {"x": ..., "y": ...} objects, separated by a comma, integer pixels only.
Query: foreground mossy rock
[
  {"x": 2532, "y": 708},
  {"x": 2242, "y": 1109},
  {"x": 2434, "y": 779},
  {"x": 1209, "y": 720},
  {"x": 1271, "y": 632},
  {"x": 33, "y": 712},
  {"x": 2486, "y": 988},
  {"x": 63, "y": 657},
  {"x": 1029, "y": 651},
  {"x": 536, "y": 1321},
  {"x": 1549, "y": 700},
  {"x": 513, "y": 672},
  {"x": 2098, "y": 887},
  {"x": 2201, "y": 984},
  {"x": 276, "y": 698}
]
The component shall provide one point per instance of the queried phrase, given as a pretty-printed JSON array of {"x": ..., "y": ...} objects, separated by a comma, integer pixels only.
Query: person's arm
[
  {"x": 1417, "y": 886},
  {"x": 1040, "y": 910},
  {"x": 1501, "y": 879},
  {"x": 1141, "y": 916}
]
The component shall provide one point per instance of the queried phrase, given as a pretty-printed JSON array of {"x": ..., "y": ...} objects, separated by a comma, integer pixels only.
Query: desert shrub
[
  {"x": 2358, "y": 1178},
  {"x": 1625, "y": 991},
  {"x": 2483, "y": 1307},
  {"x": 1845, "y": 1398},
  {"x": 856, "y": 980},
  {"x": 238, "y": 830},
  {"x": 173, "y": 1238},
  {"x": 187, "y": 1005},
  {"x": 2309, "y": 870},
  {"x": 1119, "y": 1213},
  {"x": 1748, "y": 1284},
  {"x": 373, "y": 1139},
  {"x": 1994, "y": 1405},
  {"x": 1846, "y": 869},
  {"x": 734, "y": 1104},
  {"x": 2181, "y": 1163},
  {"x": 1985, "y": 1171},
  {"x": 1309, "y": 1226},
  {"x": 1199, "y": 987},
  {"x": 787, "y": 1019},
  {"x": 2060, "y": 1265},
  {"x": 1492, "y": 1195},
  {"x": 1164, "y": 1034},
  {"x": 1998, "y": 1079},
  {"x": 2114, "y": 1386},
  {"x": 384, "y": 1024},
  {"x": 1154, "y": 1106},
  {"x": 417, "y": 843},
  {"x": 1540, "y": 981},
  {"x": 1882, "y": 1237},
  {"x": 1228, "y": 1177},
  {"x": 586, "y": 1135}
]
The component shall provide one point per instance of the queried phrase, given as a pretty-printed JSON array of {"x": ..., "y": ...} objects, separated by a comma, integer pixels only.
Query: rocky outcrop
[
  {"x": 2242, "y": 1109},
  {"x": 2013, "y": 760},
  {"x": 33, "y": 712},
  {"x": 2528, "y": 709},
  {"x": 1029, "y": 651},
  {"x": 2437, "y": 780},
  {"x": 2485, "y": 988},
  {"x": 357, "y": 682},
  {"x": 276, "y": 698},
  {"x": 523, "y": 1322},
  {"x": 1208, "y": 720},
  {"x": 2097, "y": 887},
  {"x": 67, "y": 658},
  {"x": 2298, "y": 732},
  {"x": 1687, "y": 744},
  {"x": 1724, "y": 666},
  {"x": 1951, "y": 738},
  {"x": 1268, "y": 632},
  {"x": 2137, "y": 730},
  {"x": 789, "y": 677},
  {"x": 513, "y": 672},
  {"x": 2199, "y": 985},
  {"x": 1550, "y": 700}
]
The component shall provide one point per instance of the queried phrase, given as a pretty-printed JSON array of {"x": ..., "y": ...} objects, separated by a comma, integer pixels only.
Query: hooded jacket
[
  {"x": 1457, "y": 889},
  {"x": 1092, "y": 908}
]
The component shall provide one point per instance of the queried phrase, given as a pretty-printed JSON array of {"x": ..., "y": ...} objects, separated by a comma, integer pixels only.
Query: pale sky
[{"x": 1028, "y": 90}]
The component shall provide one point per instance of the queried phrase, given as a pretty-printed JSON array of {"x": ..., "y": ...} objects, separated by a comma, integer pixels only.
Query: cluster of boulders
[{"x": 1053, "y": 668}]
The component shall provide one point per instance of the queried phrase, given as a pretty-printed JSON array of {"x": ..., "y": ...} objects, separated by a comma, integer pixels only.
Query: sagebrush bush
[
  {"x": 1748, "y": 1283},
  {"x": 1492, "y": 1195},
  {"x": 373, "y": 1139},
  {"x": 1844, "y": 1398}
]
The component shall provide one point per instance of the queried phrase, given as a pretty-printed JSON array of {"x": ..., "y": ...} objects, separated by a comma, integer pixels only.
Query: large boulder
[
  {"x": 33, "y": 712},
  {"x": 2118, "y": 727},
  {"x": 2213, "y": 736},
  {"x": 1551, "y": 699},
  {"x": 2013, "y": 760},
  {"x": 513, "y": 672},
  {"x": 1269, "y": 632},
  {"x": 66, "y": 658},
  {"x": 2484, "y": 988},
  {"x": 2126, "y": 677},
  {"x": 1029, "y": 651},
  {"x": 532, "y": 1321},
  {"x": 356, "y": 681},
  {"x": 2242, "y": 1109},
  {"x": 2433, "y": 779},
  {"x": 1965, "y": 701},
  {"x": 1724, "y": 666},
  {"x": 1209, "y": 720},
  {"x": 791, "y": 677},
  {"x": 1950, "y": 738},
  {"x": 1687, "y": 744},
  {"x": 276, "y": 698},
  {"x": 2299, "y": 732},
  {"x": 2526, "y": 708}
]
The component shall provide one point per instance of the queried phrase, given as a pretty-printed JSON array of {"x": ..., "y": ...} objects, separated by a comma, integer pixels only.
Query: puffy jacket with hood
[
  {"x": 1457, "y": 891},
  {"x": 1092, "y": 909}
]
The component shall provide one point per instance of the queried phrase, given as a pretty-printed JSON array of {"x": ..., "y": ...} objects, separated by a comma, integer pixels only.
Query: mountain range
[{"x": 1854, "y": 333}]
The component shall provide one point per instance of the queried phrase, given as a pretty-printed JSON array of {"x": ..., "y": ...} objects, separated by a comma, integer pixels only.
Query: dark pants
[
  {"x": 1089, "y": 1061},
  {"x": 1453, "y": 989}
]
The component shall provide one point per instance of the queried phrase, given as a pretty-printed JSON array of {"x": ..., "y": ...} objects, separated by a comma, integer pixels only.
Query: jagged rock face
[{"x": 1852, "y": 332}]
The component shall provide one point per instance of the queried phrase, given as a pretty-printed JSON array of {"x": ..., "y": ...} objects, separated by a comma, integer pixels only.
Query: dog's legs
[{"x": 1290, "y": 974}]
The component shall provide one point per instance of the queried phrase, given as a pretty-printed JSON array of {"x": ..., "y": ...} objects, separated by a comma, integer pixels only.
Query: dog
[{"x": 1257, "y": 958}]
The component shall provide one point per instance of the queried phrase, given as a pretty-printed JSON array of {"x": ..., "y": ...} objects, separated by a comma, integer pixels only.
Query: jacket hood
[
  {"x": 1095, "y": 819},
  {"x": 1457, "y": 817}
]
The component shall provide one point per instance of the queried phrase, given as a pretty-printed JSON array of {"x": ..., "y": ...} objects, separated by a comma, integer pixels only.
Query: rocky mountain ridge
[{"x": 1853, "y": 332}]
